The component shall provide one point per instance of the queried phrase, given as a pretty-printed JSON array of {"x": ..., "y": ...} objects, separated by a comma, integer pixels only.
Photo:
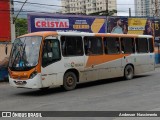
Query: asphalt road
[{"x": 139, "y": 94}]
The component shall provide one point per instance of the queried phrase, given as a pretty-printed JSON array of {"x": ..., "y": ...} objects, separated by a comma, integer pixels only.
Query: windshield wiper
[
  {"x": 22, "y": 56},
  {"x": 15, "y": 58}
]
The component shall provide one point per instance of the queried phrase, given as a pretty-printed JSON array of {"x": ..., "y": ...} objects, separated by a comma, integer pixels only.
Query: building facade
[
  {"x": 87, "y": 6},
  {"x": 147, "y": 8},
  {"x": 5, "y": 27}
]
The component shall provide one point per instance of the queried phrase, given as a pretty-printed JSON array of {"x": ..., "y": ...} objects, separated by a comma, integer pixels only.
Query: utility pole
[
  {"x": 106, "y": 7},
  {"x": 13, "y": 35},
  {"x": 19, "y": 12},
  {"x": 129, "y": 12}
]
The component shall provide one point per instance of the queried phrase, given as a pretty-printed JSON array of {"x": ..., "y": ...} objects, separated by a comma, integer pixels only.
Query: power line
[
  {"x": 19, "y": 12},
  {"x": 69, "y": 7},
  {"x": 24, "y": 10},
  {"x": 56, "y": 6},
  {"x": 39, "y": 4},
  {"x": 59, "y": 5}
]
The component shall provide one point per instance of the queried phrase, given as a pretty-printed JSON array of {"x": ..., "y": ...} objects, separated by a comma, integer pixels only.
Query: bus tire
[
  {"x": 128, "y": 72},
  {"x": 44, "y": 89},
  {"x": 69, "y": 81}
]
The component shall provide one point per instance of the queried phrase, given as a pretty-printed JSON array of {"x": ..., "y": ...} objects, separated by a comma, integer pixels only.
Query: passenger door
[{"x": 51, "y": 57}]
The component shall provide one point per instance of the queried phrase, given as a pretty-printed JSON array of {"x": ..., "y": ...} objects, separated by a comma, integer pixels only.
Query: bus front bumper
[{"x": 36, "y": 82}]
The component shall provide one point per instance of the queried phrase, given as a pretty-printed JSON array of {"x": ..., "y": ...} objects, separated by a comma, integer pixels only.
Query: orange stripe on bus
[
  {"x": 43, "y": 33},
  {"x": 100, "y": 59}
]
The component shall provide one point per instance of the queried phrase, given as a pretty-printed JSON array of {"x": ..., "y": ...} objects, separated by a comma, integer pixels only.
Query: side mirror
[{"x": 6, "y": 49}]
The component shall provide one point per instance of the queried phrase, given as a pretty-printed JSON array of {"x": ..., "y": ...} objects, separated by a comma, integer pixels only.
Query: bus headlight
[{"x": 33, "y": 74}]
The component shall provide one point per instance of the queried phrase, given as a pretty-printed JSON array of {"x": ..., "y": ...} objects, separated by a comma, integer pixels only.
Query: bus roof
[
  {"x": 53, "y": 33},
  {"x": 42, "y": 33}
]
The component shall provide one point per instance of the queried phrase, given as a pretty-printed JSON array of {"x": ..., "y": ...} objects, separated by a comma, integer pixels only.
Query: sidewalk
[
  {"x": 157, "y": 65},
  {"x": 4, "y": 80}
]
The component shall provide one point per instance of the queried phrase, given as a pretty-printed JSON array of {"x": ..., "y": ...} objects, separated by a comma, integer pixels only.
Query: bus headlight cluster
[{"x": 33, "y": 75}]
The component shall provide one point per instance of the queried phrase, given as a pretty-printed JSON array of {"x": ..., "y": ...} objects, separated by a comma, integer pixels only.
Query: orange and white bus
[{"x": 50, "y": 59}]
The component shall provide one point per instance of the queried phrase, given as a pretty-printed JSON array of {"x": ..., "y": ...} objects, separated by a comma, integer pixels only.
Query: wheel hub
[{"x": 70, "y": 80}]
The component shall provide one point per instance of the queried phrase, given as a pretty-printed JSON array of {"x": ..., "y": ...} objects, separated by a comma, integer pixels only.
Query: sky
[
  {"x": 38, "y": 8},
  {"x": 122, "y": 6}
]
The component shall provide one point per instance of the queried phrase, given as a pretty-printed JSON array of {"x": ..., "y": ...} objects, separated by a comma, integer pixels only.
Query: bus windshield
[{"x": 25, "y": 53}]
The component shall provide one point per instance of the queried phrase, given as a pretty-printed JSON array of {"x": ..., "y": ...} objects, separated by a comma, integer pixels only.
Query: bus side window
[
  {"x": 51, "y": 52},
  {"x": 117, "y": 45},
  {"x": 63, "y": 46},
  {"x": 127, "y": 45},
  {"x": 93, "y": 45},
  {"x": 87, "y": 45},
  {"x": 142, "y": 45},
  {"x": 151, "y": 47},
  {"x": 71, "y": 46},
  {"x": 105, "y": 46},
  {"x": 111, "y": 45}
]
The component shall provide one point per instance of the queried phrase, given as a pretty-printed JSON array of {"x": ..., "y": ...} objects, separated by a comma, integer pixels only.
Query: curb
[
  {"x": 4, "y": 80},
  {"x": 157, "y": 65}
]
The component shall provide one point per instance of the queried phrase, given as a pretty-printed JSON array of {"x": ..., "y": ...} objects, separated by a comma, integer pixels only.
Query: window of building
[
  {"x": 127, "y": 45},
  {"x": 111, "y": 45},
  {"x": 93, "y": 45},
  {"x": 71, "y": 46},
  {"x": 142, "y": 45}
]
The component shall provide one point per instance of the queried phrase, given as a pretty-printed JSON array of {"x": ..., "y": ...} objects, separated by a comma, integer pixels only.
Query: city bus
[{"x": 49, "y": 59}]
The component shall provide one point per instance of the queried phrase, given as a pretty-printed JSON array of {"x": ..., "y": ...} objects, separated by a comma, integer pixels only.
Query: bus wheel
[
  {"x": 128, "y": 72},
  {"x": 69, "y": 81}
]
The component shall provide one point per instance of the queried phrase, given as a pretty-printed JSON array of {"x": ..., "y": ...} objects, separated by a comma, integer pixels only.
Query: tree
[
  {"x": 105, "y": 13},
  {"x": 21, "y": 26}
]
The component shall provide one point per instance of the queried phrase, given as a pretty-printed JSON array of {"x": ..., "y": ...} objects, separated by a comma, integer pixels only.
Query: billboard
[
  {"x": 117, "y": 25},
  {"x": 126, "y": 25},
  {"x": 5, "y": 27},
  {"x": 94, "y": 24},
  {"x": 157, "y": 29},
  {"x": 56, "y": 22}
]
